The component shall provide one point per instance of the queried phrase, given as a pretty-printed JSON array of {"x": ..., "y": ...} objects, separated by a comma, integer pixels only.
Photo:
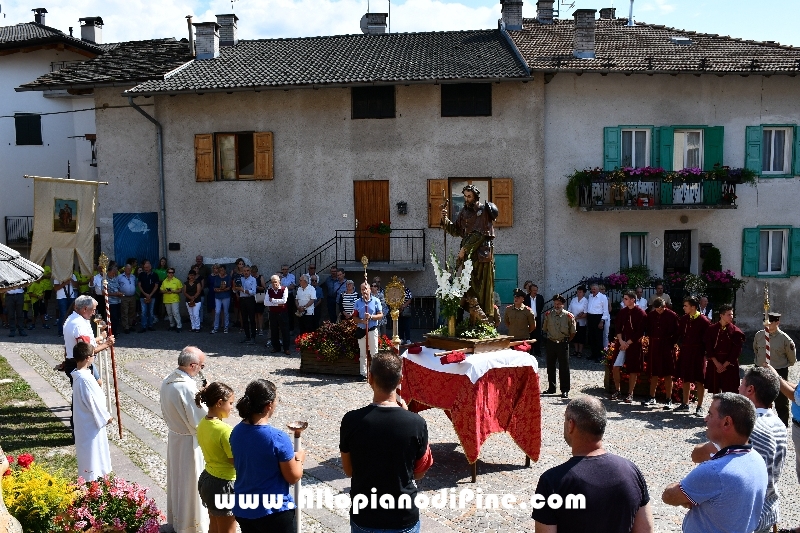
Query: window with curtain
[
  {"x": 688, "y": 150},
  {"x": 635, "y": 148},
  {"x": 772, "y": 251},
  {"x": 776, "y": 150},
  {"x": 632, "y": 250}
]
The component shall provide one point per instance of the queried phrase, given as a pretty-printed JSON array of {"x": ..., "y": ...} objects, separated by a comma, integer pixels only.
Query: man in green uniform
[
  {"x": 559, "y": 327},
  {"x": 519, "y": 318},
  {"x": 475, "y": 226},
  {"x": 783, "y": 354}
]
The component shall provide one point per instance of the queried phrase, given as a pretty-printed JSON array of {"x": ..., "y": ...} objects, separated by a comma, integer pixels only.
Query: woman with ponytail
[
  {"x": 213, "y": 436},
  {"x": 266, "y": 463}
]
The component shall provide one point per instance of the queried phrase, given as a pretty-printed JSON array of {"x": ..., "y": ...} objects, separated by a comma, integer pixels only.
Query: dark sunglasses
[{"x": 774, "y": 319}]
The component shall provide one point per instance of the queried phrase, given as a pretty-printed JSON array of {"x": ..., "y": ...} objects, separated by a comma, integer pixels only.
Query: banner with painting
[
  {"x": 136, "y": 236},
  {"x": 64, "y": 224}
]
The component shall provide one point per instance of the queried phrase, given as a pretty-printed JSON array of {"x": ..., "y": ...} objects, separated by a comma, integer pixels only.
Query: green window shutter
[
  {"x": 666, "y": 144},
  {"x": 655, "y": 149},
  {"x": 794, "y": 252},
  {"x": 712, "y": 146},
  {"x": 750, "y": 252},
  {"x": 611, "y": 148},
  {"x": 796, "y": 144},
  {"x": 752, "y": 151}
]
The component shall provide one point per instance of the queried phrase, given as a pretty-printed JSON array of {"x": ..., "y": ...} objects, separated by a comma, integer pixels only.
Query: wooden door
[
  {"x": 371, "y": 201},
  {"x": 677, "y": 251}
]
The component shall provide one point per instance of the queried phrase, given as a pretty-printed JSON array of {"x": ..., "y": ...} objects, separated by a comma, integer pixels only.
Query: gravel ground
[{"x": 658, "y": 442}]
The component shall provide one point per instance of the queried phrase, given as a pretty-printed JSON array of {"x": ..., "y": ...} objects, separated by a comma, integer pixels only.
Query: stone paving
[{"x": 658, "y": 442}]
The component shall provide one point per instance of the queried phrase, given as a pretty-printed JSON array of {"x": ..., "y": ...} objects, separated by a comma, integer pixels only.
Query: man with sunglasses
[
  {"x": 782, "y": 355},
  {"x": 185, "y": 462}
]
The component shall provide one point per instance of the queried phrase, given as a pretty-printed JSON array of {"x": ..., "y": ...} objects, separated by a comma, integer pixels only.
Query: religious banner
[{"x": 63, "y": 223}]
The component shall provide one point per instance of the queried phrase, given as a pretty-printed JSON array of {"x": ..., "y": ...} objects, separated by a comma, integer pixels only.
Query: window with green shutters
[
  {"x": 668, "y": 147},
  {"x": 773, "y": 150},
  {"x": 771, "y": 251}
]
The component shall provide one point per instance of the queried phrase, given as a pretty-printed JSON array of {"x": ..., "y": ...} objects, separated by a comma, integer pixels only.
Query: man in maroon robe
[
  {"x": 723, "y": 342},
  {"x": 662, "y": 331},
  {"x": 691, "y": 365},
  {"x": 629, "y": 325}
]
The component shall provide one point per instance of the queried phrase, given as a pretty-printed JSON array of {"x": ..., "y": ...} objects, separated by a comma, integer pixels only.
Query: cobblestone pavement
[{"x": 658, "y": 442}]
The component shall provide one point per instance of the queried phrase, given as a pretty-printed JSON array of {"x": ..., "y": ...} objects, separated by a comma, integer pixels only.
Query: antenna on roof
[{"x": 630, "y": 15}]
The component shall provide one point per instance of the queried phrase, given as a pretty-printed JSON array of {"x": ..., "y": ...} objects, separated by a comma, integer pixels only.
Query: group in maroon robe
[
  {"x": 723, "y": 343},
  {"x": 630, "y": 324},
  {"x": 691, "y": 360},
  {"x": 662, "y": 330}
]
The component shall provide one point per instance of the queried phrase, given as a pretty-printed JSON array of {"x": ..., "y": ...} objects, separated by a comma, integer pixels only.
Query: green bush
[{"x": 712, "y": 260}]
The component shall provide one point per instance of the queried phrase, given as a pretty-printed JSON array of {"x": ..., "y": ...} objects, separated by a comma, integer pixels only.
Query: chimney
[
  {"x": 584, "y": 33},
  {"x": 38, "y": 15},
  {"x": 227, "y": 30},
  {"x": 92, "y": 29},
  {"x": 207, "y": 41},
  {"x": 512, "y": 14},
  {"x": 608, "y": 13},
  {"x": 376, "y": 23},
  {"x": 544, "y": 11},
  {"x": 191, "y": 34}
]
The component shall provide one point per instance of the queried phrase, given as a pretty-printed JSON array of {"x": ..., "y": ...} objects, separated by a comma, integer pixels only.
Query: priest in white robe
[
  {"x": 90, "y": 417},
  {"x": 185, "y": 511}
]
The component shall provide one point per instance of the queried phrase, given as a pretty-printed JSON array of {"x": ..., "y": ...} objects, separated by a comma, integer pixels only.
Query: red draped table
[{"x": 501, "y": 399}]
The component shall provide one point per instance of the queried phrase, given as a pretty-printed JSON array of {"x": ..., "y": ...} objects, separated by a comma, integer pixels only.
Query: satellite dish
[{"x": 363, "y": 24}]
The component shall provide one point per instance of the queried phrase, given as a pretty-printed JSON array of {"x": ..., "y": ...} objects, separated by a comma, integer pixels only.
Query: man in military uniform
[
  {"x": 783, "y": 354},
  {"x": 475, "y": 226},
  {"x": 519, "y": 318},
  {"x": 559, "y": 327}
]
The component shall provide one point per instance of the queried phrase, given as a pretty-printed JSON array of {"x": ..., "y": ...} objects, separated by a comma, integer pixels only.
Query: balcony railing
[{"x": 603, "y": 195}]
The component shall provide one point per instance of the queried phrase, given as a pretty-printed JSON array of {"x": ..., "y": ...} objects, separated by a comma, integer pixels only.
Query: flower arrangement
[
  {"x": 34, "y": 496},
  {"x": 723, "y": 279},
  {"x": 333, "y": 341},
  {"x": 110, "y": 504},
  {"x": 381, "y": 228},
  {"x": 617, "y": 280},
  {"x": 464, "y": 330},
  {"x": 451, "y": 286},
  {"x": 692, "y": 283}
]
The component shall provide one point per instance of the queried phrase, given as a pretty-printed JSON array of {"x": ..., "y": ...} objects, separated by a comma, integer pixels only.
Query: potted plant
[
  {"x": 333, "y": 349},
  {"x": 381, "y": 228}
]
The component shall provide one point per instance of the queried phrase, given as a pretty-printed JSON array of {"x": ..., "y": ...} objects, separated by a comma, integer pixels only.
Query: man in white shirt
[
  {"x": 596, "y": 317},
  {"x": 641, "y": 301},
  {"x": 578, "y": 307},
  {"x": 661, "y": 294},
  {"x": 704, "y": 308},
  {"x": 66, "y": 291}
]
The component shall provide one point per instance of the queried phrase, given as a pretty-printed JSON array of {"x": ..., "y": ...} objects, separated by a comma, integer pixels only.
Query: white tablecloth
[{"x": 476, "y": 365}]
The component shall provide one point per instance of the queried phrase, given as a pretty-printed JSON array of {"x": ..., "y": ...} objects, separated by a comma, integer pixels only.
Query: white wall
[
  {"x": 577, "y": 109},
  {"x": 49, "y": 159}
]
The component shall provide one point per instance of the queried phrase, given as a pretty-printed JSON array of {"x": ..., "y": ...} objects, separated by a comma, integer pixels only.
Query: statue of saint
[{"x": 475, "y": 226}]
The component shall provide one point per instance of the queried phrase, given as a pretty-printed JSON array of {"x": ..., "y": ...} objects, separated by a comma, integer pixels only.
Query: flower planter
[
  {"x": 666, "y": 193},
  {"x": 712, "y": 192},
  {"x": 310, "y": 363}
]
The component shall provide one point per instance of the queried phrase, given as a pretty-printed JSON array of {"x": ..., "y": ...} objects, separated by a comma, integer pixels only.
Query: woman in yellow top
[
  {"x": 213, "y": 437},
  {"x": 171, "y": 289}
]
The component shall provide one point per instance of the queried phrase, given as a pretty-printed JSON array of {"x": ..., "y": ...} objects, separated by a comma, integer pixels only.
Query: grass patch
[{"x": 32, "y": 428}]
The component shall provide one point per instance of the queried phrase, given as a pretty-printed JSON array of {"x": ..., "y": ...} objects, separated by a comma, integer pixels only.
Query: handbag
[
  {"x": 260, "y": 297},
  {"x": 360, "y": 333}
]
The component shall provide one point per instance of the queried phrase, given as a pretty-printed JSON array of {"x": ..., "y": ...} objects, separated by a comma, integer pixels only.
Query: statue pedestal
[{"x": 501, "y": 342}]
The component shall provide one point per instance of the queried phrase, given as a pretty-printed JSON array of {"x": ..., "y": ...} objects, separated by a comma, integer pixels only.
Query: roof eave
[
  {"x": 124, "y": 83},
  {"x": 580, "y": 71}
]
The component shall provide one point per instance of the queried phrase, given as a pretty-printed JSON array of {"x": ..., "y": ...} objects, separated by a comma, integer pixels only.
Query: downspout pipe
[{"x": 160, "y": 141}]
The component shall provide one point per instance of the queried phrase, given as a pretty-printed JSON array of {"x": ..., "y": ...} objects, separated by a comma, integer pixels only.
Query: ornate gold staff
[
  {"x": 102, "y": 262},
  {"x": 395, "y": 295},
  {"x": 766, "y": 321}
]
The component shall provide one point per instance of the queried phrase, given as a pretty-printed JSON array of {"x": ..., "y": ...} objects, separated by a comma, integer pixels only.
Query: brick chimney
[
  {"x": 584, "y": 33},
  {"x": 38, "y": 15},
  {"x": 544, "y": 11},
  {"x": 512, "y": 14},
  {"x": 608, "y": 13},
  {"x": 92, "y": 29},
  {"x": 207, "y": 40},
  {"x": 227, "y": 30}
]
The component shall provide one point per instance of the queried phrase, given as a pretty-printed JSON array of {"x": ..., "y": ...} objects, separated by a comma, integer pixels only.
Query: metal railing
[
  {"x": 19, "y": 231},
  {"x": 643, "y": 194}
]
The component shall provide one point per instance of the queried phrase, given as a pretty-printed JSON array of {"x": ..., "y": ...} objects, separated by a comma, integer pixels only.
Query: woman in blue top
[
  {"x": 265, "y": 462},
  {"x": 222, "y": 298}
]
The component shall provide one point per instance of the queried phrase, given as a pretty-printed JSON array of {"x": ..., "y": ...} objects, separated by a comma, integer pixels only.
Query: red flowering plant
[
  {"x": 723, "y": 279},
  {"x": 334, "y": 341},
  {"x": 381, "y": 228},
  {"x": 617, "y": 280},
  {"x": 110, "y": 504}
]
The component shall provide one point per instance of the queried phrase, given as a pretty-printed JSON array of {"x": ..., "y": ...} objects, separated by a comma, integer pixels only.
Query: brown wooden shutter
[
  {"x": 262, "y": 142},
  {"x": 204, "y": 157},
  {"x": 435, "y": 201},
  {"x": 503, "y": 198}
]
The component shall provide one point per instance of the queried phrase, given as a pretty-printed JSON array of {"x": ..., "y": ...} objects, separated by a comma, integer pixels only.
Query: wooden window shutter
[
  {"x": 752, "y": 152},
  {"x": 712, "y": 145},
  {"x": 655, "y": 147},
  {"x": 263, "y": 155},
  {"x": 750, "y": 249},
  {"x": 437, "y": 192},
  {"x": 796, "y": 145},
  {"x": 611, "y": 148},
  {"x": 794, "y": 252},
  {"x": 666, "y": 145},
  {"x": 503, "y": 198},
  {"x": 204, "y": 157}
]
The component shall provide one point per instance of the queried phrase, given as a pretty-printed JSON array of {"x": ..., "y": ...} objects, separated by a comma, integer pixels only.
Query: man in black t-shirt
[
  {"x": 615, "y": 492},
  {"x": 148, "y": 286},
  {"x": 384, "y": 448}
]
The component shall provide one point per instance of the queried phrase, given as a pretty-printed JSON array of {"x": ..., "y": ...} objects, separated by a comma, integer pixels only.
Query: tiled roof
[
  {"x": 32, "y": 34},
  {"x": 347, "y": 60},
  {"x": 648, "y": 48},
  {"x": 124, "y": 64}
]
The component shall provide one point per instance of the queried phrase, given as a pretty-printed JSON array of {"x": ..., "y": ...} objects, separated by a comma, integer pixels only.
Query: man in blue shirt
[
  {"x": 726, "y": 493},
  {"x": 247, "y": 304},
  {"x": 368, "y": 313}
]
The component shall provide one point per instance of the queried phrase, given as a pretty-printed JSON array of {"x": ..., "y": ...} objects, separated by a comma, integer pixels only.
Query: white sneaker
[
  {"x": 225, "y": 330},
  {"x": 214, "y": 331}
]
